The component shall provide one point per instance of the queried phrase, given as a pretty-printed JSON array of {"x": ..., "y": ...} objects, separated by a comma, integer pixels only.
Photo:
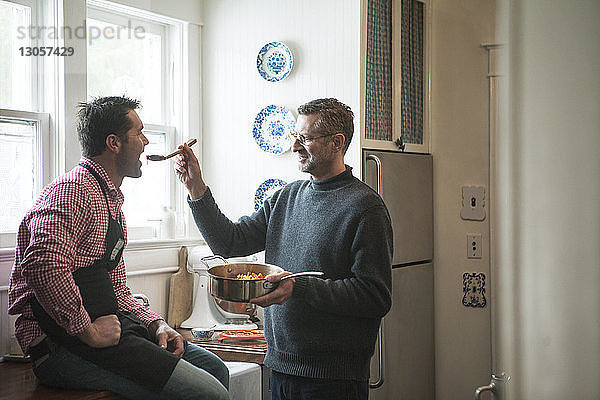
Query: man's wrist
[
  {"x": 154, "y": 325},
  {"x": 197, "y": 191},
  {"x": 87, "y": 335}
]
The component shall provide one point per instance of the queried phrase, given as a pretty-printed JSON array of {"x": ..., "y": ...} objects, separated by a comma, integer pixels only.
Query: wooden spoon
[{"x": 156, "y": 157}]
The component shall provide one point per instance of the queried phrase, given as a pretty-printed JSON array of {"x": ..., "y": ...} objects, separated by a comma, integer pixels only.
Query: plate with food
[
  {"x": 274, "y": 61},
  {"x": 254, "y": 334}
]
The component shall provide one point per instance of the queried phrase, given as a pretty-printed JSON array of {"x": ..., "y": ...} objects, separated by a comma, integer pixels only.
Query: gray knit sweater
[{"x": 340, "y": 226}]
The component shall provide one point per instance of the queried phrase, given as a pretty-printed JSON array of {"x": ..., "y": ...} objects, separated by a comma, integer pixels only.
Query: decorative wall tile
[{"x": 474, "y": 289}]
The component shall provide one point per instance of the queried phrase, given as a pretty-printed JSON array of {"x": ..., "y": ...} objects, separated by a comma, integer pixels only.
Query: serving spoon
[{"x": 156, "y": 157}]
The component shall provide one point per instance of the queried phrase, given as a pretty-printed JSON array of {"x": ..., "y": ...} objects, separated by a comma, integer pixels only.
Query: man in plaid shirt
[{"x": 77, "y": 318}]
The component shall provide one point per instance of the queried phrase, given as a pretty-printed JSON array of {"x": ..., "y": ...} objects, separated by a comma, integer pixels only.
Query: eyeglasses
[{"x": 303, "y": 140}]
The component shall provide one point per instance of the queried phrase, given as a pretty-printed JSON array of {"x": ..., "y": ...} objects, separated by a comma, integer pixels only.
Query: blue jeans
[
  {"x": 290, "y": 387},
  {"x": 198, "y": 375}
]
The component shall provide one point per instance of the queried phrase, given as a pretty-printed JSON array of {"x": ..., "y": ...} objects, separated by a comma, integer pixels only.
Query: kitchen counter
[{"x": 253, "y": 351}]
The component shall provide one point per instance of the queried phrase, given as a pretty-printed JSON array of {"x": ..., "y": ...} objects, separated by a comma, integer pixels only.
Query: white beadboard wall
[{"x": 324, "y": 37}]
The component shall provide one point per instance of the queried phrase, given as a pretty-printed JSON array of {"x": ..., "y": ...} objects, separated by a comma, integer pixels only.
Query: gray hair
[{"x": 333, "y": 117}]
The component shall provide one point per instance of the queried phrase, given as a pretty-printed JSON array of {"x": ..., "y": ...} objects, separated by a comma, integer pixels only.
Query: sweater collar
[{"x": 334, "y": 182}]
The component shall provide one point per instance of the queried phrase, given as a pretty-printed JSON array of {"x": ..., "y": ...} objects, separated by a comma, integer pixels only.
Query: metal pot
[
  {"x": 224, "y": 285},
  {"x": 248, "y": 309}
]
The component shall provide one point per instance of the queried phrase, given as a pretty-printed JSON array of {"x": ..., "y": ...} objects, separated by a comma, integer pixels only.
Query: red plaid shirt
[{"x": 65, "y": 231}]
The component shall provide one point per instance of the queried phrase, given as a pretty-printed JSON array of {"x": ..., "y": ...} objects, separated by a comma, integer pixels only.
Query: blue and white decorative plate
[
  {"x": 272, "y": 128},
  {"x": 274, "y": 61},
  {"x": 266, "y": 190}
]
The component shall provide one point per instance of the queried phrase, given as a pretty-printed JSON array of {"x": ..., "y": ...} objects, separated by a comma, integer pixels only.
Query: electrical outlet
[{"x": 474, "y": 245}]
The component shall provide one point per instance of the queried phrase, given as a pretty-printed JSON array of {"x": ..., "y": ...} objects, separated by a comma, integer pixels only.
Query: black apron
[{"x": 136, "y": 356}]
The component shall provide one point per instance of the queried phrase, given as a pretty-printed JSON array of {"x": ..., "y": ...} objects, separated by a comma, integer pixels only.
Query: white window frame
[
  {"x": 108, "y": 15},
  {"x": 36, "y": 62},
  {"x": 47, "y": 76},
  {"x": 42, "y": 169},
  {"x": 45, "y": 161},
  {"x": 173, "y": 60}
]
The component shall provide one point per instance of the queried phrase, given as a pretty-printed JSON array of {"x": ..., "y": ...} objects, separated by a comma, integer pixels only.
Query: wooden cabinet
[{"x": 395, "y": 89}]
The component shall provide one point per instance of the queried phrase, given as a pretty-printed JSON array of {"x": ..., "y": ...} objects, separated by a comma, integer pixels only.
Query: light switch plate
[
  {"x": 473, "y": 203},
  {"x": 474, "y": 245}
]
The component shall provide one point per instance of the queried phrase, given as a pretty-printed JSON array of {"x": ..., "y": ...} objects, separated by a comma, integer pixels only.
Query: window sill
[
  {"x": 153, "y": 244},
  {"x": 8, "y": 253}
]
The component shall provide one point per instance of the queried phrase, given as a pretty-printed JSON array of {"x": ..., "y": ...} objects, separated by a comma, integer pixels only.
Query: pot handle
[
  {"x": 204, "y": 260},
  {"x": 270, "y": 285}
]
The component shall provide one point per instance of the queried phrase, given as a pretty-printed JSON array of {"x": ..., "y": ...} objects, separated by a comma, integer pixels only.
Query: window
[
  {"x": 24, "y": 143},
  {"x": 129, "y": 51},
  {"x": 139, "y": 55},
  {"x": 17, "y": 83},
  {"x": 24, "y": 132},
  {"x": 129, "y": 56}
]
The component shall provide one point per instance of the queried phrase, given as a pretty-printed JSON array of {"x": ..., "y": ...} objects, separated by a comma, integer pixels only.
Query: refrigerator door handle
[
  {"x": 378, "y": 164},
  {"x": 379, "y": 382},
  {"x": 381, "y": 350}
]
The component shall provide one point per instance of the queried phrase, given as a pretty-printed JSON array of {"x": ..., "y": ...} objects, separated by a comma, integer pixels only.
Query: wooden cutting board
[{"x": 181, "y": 292}]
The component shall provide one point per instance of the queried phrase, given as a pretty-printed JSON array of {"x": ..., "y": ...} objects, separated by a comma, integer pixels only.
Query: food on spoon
[
  {"x": 158, "y": 157},
  {"x": 248, "y": 276}
]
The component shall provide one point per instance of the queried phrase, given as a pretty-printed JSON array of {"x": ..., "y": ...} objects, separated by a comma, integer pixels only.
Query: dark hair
[
  {"x": 101, "y": 117},
  {"x": 334, "y": 117}
]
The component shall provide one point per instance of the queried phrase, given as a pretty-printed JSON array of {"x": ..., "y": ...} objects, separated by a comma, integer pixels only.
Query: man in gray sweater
[{"x": 320, "y": 332}]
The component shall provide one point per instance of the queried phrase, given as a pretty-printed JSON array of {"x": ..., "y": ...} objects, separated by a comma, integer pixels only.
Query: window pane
[
  {"x": 17, "y": 171},
  {"x": 145, "y": 196},
  {"x": 126, "y": 60},
  {"x": 15, "y": 70}
]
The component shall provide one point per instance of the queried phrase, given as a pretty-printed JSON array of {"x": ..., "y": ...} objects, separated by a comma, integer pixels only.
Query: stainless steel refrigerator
[{"x": 405, "y": 182}]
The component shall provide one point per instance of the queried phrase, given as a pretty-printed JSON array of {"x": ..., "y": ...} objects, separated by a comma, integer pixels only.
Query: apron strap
[{"x": 102, "y": 187}]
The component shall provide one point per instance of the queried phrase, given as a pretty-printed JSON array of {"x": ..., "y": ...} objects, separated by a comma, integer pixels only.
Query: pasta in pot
[{"x": 250, "y": 276}]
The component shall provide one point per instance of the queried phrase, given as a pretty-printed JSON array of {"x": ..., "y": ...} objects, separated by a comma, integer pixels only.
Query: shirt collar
[{"x": 113, "y": 191}]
